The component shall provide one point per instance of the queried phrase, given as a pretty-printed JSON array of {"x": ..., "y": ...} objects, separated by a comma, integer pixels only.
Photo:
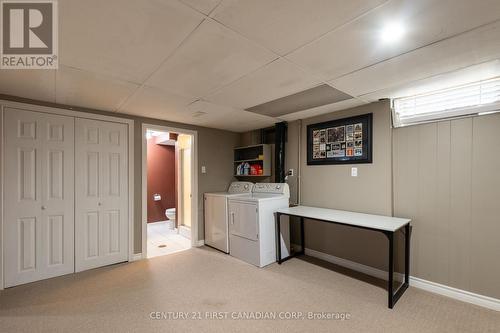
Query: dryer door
[{"x": 244, "y": 219}]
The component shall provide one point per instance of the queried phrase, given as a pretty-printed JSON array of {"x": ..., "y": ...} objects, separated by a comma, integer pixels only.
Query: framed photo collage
[{"x": 342, "y": 141}]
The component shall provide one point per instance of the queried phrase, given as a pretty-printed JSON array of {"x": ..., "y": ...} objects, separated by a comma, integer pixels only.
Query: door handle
[{"x": 43, "y": 207}]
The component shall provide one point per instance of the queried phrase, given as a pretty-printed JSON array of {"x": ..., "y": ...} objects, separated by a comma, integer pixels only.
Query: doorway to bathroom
[{"x": 169, "y": 190}]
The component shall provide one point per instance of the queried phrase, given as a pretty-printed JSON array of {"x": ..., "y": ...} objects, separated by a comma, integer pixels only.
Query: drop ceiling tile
[
  {"x": 277, "y": 79},
  {"x": 84, "y": 89},
  {"x": 284, "y": 25},
  {"x": 124, "y": 39},
  {"x": 359, "y": 44},
  {"x": 213, "y": 56},
  {"x": 483, "y": 71},
  {"x": 155, "y": 103},
  {"x": 32, "y": 84},
  {"x": 226, "y": 118},
  {"x": 474, "y": 47},
  {"x": 204, "y": 6},
  {"x": 324, "y": 109}
]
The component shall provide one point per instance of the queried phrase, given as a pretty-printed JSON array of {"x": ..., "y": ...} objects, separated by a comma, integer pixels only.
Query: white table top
[{"x": 379, "y": 222}]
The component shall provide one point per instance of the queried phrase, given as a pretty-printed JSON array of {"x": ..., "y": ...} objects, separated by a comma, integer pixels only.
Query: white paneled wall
[{"x": 446, "y": 180}]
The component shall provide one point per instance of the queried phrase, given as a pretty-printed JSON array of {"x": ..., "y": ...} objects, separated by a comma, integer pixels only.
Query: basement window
[{"x": 472, "y": 99}]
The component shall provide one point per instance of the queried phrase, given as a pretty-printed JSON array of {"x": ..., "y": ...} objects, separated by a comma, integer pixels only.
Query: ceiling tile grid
[
  {"x": 124, "y": 39},
  {"x": 471, "y": 48},
  {"x": 83, "y": 89},
  {"x": 203, "y": 6},
  {"x": 155, "y": 103},
  {"x": 284, "y": 25},
  {"x": 213, "y": 115},
  {"x": 475, "y": 73},
  {"x": 275, "y": 80},
  {"x": 204, "y": 61},
  {"x": 213, "y": 56},
  {"x": 358, "y": 44}
]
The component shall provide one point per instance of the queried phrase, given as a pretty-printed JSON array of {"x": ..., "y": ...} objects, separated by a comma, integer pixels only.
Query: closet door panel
[
  {"x": 101, "y": 193},
  {"x": 58, "y": 194},
  {"x": 39, "y": 201}
]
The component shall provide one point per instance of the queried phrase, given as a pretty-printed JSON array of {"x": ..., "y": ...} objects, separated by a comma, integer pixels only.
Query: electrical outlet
[
  {"x": 354, "y": 172},
  {"x": 290, "y": 172}
]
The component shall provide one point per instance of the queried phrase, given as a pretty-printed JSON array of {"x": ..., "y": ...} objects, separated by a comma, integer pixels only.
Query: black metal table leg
[
  {"x": 278, "y": 238},
  {"x": 395, "y": 296},
  {"x": 302, "y": 236},
  {"x": 391, "y": 269},
  {"x": 407, "y": 254}
]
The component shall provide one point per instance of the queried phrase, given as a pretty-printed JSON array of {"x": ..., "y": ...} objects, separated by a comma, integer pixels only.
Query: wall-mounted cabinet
[{"x": 252, "y": 161}]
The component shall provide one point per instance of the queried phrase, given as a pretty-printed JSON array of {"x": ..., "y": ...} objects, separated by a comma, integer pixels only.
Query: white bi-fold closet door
[
  {"x": 39, "y": 196},
  {"x": 101, "y": 195},
  {"x": 65, "y": 195}
]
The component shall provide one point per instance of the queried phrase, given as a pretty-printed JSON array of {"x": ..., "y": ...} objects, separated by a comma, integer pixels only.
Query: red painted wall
[{"x": 161, "y": 179}]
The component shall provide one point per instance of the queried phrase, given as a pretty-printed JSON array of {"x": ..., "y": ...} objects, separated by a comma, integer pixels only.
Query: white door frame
[
  {"x": 77, "y": 114},
  {"x": 194, "y": 182}
]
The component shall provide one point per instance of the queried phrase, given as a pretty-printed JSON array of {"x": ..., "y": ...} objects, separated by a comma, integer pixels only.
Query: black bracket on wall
[{"x": 279, "y": 153}]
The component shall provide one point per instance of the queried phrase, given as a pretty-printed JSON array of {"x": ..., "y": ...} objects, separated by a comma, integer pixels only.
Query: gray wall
[
  {"x": 331, "y": 186},
  {"x": 443, "y": 175},
  {"x": 446, "y": 178},
  {"x": 215, "y": 151}
]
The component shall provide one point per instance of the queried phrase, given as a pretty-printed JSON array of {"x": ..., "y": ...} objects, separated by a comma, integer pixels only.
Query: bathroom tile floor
[{"x": 162, "y": 240}]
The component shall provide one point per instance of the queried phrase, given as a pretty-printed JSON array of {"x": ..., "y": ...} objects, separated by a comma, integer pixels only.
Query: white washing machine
[
  {"x": 252, "y": 227},
  {"x": 216, "y": 214}
]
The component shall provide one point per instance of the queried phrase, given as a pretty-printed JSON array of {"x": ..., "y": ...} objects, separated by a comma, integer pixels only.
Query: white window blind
[{"x": 483, "y": 96}]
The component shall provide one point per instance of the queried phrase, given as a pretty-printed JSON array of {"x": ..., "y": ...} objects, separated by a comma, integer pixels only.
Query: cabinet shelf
[
  {"x": 254, "y": 155},
  {"x": 250, "y": 160}
]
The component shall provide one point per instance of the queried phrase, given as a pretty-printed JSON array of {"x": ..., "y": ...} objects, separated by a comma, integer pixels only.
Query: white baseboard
[
  {"x": 185, "y": 231},
  {"x": 458, "y": 294},
  {"x": 368, "y": 270},
  {"x": 135, "y": 257},
  {"x": 200, "y": 243}
]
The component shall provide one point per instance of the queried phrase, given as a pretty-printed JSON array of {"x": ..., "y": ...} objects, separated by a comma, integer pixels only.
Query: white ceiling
[{"x": 203, "y": 61}]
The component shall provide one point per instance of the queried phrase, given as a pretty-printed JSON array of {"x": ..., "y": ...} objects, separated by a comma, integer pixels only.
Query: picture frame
[{"x": 341, "y": 141}]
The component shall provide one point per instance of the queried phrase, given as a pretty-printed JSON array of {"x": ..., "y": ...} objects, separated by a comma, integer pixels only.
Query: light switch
[
  {"x": 203, "y": 169},
  {"x": 354, "y": 172}
]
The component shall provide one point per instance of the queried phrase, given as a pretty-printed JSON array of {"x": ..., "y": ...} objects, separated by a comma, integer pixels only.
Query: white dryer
[
  {"x": 216, "y": 214},
  {"x": 252, "y": 227}
]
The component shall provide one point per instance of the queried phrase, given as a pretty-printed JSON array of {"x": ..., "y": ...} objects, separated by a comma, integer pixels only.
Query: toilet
[{"x": 170, "y": 214}]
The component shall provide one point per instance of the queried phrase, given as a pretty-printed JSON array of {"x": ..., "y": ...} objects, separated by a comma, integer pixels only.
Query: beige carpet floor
[{"x": 120, "y": 298}]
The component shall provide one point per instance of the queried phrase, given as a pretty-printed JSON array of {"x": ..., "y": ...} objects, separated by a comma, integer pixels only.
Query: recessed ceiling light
[{"x": 392, "y": 32}]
